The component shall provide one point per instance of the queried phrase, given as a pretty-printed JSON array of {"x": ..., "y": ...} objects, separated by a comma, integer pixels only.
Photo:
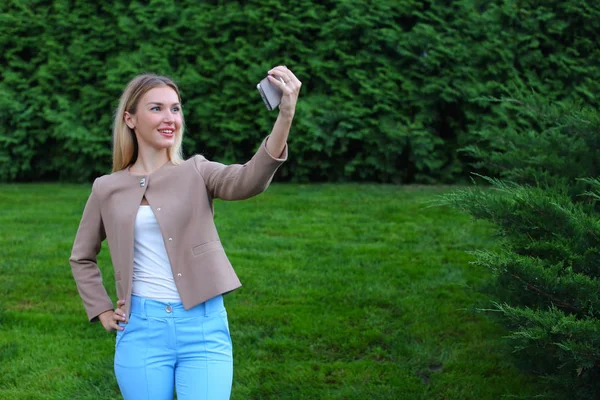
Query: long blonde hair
[{"x": 125, "y": 145}]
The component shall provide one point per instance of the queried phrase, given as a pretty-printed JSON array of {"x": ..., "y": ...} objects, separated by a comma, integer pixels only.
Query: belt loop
[
  {"x": 143, "y": 308},
  {"x": 205, "y": 306}
]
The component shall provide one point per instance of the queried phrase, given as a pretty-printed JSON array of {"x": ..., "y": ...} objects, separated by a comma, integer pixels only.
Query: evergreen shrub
[{"x": 544, "y": 201}]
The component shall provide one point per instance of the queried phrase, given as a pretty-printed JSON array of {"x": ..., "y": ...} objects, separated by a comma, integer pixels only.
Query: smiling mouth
[{"x": 167, "y": 132}]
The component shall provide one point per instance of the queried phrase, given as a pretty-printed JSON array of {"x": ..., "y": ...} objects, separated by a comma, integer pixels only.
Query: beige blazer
[{"x": 181, "y": 198}]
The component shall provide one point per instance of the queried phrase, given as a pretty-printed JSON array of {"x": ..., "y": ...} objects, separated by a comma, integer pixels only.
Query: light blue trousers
[{"x": 165, "y": 348}]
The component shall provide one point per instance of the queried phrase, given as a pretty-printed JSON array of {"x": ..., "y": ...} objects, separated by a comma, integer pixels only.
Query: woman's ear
[{"x": 129, "y": 120}]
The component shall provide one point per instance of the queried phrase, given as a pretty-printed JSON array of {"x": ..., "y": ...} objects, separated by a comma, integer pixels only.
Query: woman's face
[{"x": 157, "y": 119}]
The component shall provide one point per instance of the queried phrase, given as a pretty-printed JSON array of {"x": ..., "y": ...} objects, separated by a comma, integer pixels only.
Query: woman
[{"x": 155, "y": 210}]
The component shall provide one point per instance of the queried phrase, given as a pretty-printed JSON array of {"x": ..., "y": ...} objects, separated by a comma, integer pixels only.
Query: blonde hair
[{"x": 125, "y": 145}]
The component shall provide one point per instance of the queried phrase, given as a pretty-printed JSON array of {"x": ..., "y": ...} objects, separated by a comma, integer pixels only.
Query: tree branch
[{"x": 558, "y": 302}]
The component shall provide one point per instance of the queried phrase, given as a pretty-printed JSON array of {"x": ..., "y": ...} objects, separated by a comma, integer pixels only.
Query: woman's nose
[{"x": 168, "y": 117}]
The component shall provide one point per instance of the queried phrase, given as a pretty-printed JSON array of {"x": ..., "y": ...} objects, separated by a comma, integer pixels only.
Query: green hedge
[{"x": 388, "y": 85}]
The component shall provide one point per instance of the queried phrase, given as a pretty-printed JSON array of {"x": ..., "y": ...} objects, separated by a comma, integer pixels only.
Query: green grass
[{"x": 350, "y": 292}]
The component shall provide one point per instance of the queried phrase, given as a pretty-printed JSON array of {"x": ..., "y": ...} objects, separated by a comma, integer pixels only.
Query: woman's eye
[
  {"x": 157, "y": 108},
  {"x": 175, "y": 109}
]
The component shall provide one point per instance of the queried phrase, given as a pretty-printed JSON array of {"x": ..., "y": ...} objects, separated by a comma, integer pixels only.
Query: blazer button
[
  {"x": 158, "y": 209},
  {"x": 170, "y": 239},
  {"x": 179, "y": 274}
]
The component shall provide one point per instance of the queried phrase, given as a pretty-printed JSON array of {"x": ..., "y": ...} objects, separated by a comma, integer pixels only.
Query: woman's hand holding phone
[{"x": 285, "y": 80}]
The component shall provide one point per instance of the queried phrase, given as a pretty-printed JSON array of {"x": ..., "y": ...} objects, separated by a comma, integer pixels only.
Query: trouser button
[{"x": 169, "y": 309}]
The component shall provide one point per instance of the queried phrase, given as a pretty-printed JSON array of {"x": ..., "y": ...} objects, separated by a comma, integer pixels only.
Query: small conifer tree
[{"x": 543, "y": 199}]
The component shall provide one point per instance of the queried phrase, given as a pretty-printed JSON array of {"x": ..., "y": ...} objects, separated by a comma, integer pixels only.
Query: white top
[{"x": 152, "y": 273}]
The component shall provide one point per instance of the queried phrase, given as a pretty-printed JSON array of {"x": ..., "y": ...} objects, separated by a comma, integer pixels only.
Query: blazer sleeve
[
  {"x": 83, "y": 262},
  {"x": 240, "y": 181}
]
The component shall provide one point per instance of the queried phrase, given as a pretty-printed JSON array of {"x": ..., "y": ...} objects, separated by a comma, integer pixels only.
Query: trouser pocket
[{"x": 135, "y": 324}]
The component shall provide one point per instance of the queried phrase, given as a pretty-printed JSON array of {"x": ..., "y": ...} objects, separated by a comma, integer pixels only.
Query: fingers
[
  {"x": 114, "y": 322},
  {"x": 293, "y": 78},
  {"x": 281, "y": 85},
  {"x": 291, "y": 83},
  {"x": 285, "y": 73},
  {"x": 108, "y": 321},
  {"x": 114, "y": 326},
  {"x": 118, "y": 315},
  {"x": 282, "y": 72}
]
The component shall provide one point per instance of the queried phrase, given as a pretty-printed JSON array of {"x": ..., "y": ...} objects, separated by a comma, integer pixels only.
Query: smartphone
[{"x": 270, "y": 93}]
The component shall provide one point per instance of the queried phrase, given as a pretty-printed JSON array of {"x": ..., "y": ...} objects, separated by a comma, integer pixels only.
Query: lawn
[{"x": 350, "y": 292}]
